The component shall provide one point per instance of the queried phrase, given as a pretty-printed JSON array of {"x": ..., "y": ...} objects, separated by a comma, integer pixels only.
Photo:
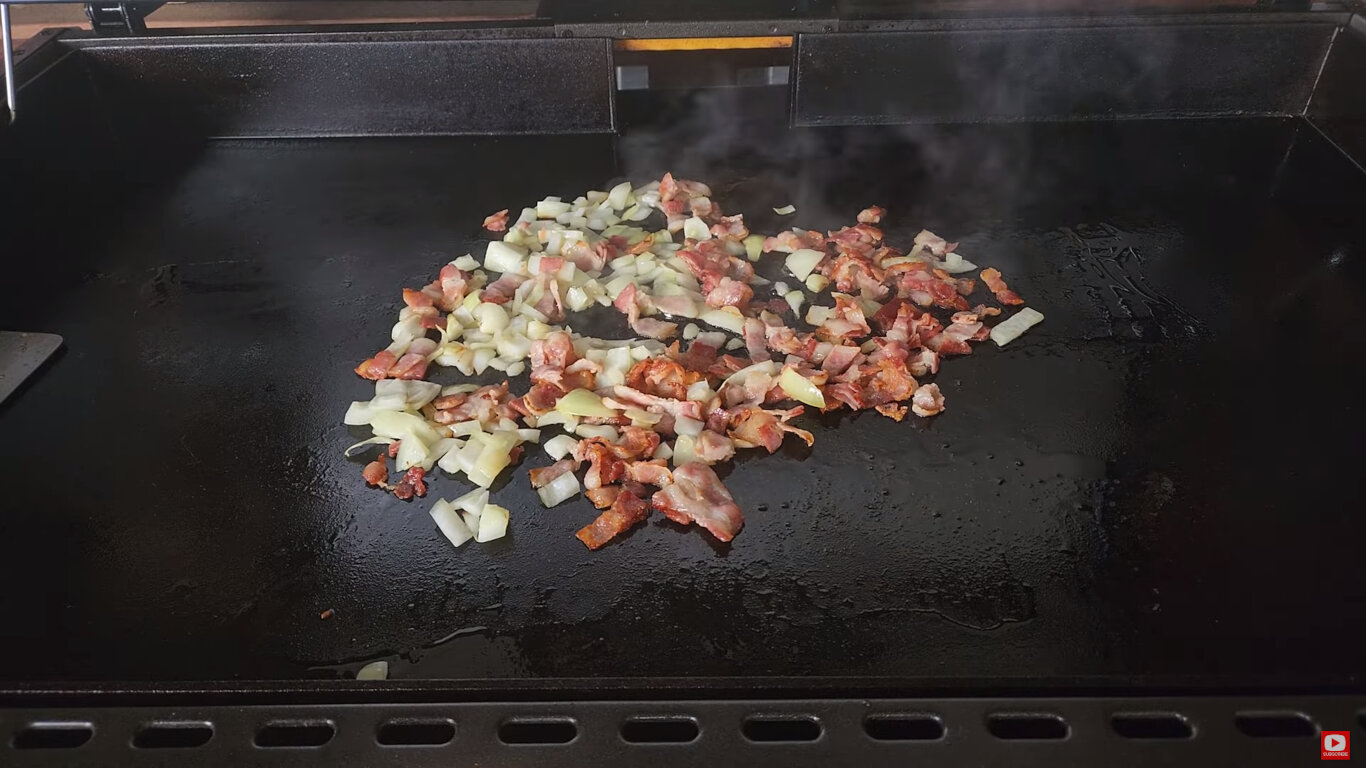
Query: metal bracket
[{"x": 119, "y": 18}]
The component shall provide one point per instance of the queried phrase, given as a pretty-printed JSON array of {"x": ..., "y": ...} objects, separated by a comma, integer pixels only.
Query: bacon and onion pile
[{"x": 640, "y": 422}]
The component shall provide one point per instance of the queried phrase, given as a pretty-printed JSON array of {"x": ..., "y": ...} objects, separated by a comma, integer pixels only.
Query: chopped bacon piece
[
  {"x": 668, "y": 188},
  {"x": 756, "y": 428},
  {"x": 485, "y": 405},
  {"x": 699, "y": 357},
  {"x": 729, "y": 293},
  {"x": 637, "y": 443},
  {"x": 543, "y": 476},
  {"x": 936, "y": 245},
  {"x": 453, "y": 284},
  {"x": 992, "y": 277},
  {"x": 603, "y": 497},
  {"x": 500, "y": 291},
  {"x": 926, "y": 362},
  {"x": 712, "y": 447},
  {"x": 651, "y": 328},
  {"x": 497, "y": 222},
  {"x": 541, "y": 398},
  {"x": 653, "y": 404},
  {"x": 605, "y": 467},
  {"x": 653, "y": 472},
  {"x": 730, "y": 228},
  {"x": 794, "y": 240},
  {"x": 697, "y": 496},
  {"x": 627, "y": 511},
  {"x": 377, "y": 367},
  {"x": 756, "y": 342},
  {"x": 393, "y": 448},
  {"x": 589, "y": 257},
  {"x": 839, "y": 358},
  {"x": 376, "y": 472},
  {"x": 872, "y": 214},
  {"x": 846, "y": 323},
  {"x": 928, "y": 400},
  {"x": 892, "y": 411},
  {"x": 888, "y": 383},
  {"x": 412, "y": 484},
  {"x": 662, "y": 377},
  {"x": 413, "y": 364}
]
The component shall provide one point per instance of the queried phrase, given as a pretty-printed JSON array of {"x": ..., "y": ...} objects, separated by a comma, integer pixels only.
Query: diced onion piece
[
  {"x": 685, "y": 425},
  {"x": 502, "y": 257},
  {"x": 550, "y": 208},
  {"x": 464, "y": 461},
  {"x": 493, "y": 523},
  {"x": 664, "y": 451},
  {"x": 620, "y": 196},
  {"x": 450, "y": 463},
  {"x": 641, "y": 418},
  {"x": 955, "y": 264},
  {"x": 581, "y": 402},
  {"x": 700, "y": 391},
  {"x": 754, "y": 247},
  {"x": 412, "y": 452},
  {"x": 684, "y": 452},
  {"x": 795, "y": 299},
  {"x": 482, "y": 358},
  {"x": 559, "y": 446},
  {"x": 1011, "y": 329},
  {"x": 780, "y": 288},
  {"x": 375, "y": 670},
  {"x": 713, "y": 339},
  {"x": 398, "y": 424},
  {"x": 786, "y": 210},
  {"x": 802, "y": 261},
  {"x": 472, "y": 503},
  {"x": 492, "y": 318},
  {"x": 800, "y": 388},
  {"x": 368, "y": 441},
  {"x": 606, "y": 432},
  {"x": 467, "y": 263},
  {"x": 529, "y": 435},
  {"x": 448, "y": 520},
  {"x": 728, "y": 318},
  {"x": 818, "y": 314},
  {"x": 516, "y": 369},
  {"x": 690, "y": 332},
  {"x": 817, "y": 282},
  {"x": 412, "y": 394},
  {"x": 537, "y": 330},
  {"x": 735, "y": 343},
  {"x": 562, "y": 488},
  {"x": 358, "y": 414},
  {"x": 494, "y": 458},
  {"x": 696, "y": 229}
]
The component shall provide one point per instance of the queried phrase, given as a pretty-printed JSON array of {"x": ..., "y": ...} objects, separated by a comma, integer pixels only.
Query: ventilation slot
[
  {"x": 282, "y": 735},
  {"x": 173, "y": 735},
  {"x": 904, "y": 727},
  {"x": 544, "y": 731},
  {"x": 781, "y": 729},
  {"x": 1027, "y": 727},
  {"x": 659, "y": 730},
  {"x": 416, "y": 733},
  {"x": 1275, "y": 725},
  {"x": 53, "y": 736},
  {"x": 1151, "y": 725}
]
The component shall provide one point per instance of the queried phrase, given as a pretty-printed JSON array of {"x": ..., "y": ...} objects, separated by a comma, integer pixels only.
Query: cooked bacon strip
[
  {"x": 377, "y": 367},
  {"x": 627, "y": 511},
  {"x": 487, "y": 405},
  {"x": 603, "y": 497},
  {"x": 497, "y": 222},
  {"x": 892, "y": 411},
  {"x": 662, "y": 377},
  {"x": 872, "y": 214},
  {"x": 928, "y": 400},
  {"x": 413, "y": 364},
  {"x": 605, "y": 467},
  {"x": 712, "y": 447},
  {"x": 653, "y": 404},
  {"x": 697, "y": 496},
  {"x": 653, "y": 472},
  {"x": 795, "y": 240},
  {"x": 847, "y": 322},
  {"x": 376, "y": 472},
  {"x": 542, "y": 476},
  {"x": 729, "y": 293},
  {"x": 500, "y": 291},
  {"x": 412, "y": 484},
  {"x": 754, "y": 427},
  {"x": 992, "y": 277}
]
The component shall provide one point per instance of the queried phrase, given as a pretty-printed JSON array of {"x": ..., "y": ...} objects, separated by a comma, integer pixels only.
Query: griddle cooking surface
[{"x": 1161, "y": 479}]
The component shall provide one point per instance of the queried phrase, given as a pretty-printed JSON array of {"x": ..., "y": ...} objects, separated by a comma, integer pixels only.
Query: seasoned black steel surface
[
  {"x": 1128, "y": 69},
  {"x": 1158, "y": 483}
]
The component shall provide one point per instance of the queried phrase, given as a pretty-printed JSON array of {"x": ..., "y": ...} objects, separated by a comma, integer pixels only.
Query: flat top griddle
[{"x": 1158, "y": 482}]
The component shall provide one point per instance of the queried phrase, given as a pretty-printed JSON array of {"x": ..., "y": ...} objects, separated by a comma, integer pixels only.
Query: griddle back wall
[
  {"x": 354, "y": 88},
  {"x": 948, "y": 76}
]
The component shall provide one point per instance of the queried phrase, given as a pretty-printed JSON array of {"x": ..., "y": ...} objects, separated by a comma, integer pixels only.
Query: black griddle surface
[{"x": 1160, "y": 483}]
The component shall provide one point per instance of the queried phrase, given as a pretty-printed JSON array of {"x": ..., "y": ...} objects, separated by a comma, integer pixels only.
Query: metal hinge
[{"x": 119, "y": 18}]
